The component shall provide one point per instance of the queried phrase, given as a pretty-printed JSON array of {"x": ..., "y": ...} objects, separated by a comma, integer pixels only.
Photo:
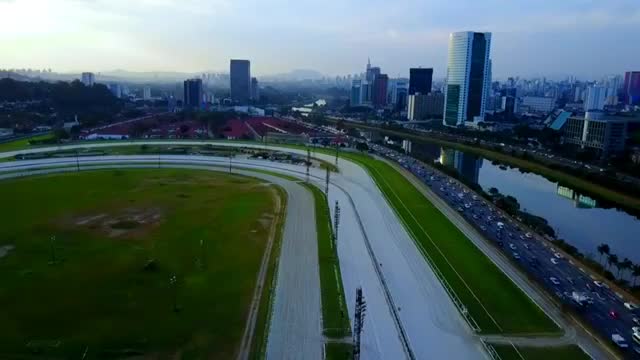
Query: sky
[{"x": 552, "y": 38}]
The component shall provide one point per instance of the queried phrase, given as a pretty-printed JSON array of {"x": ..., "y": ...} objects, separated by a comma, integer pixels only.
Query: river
[{"x": 576, "y": 218}]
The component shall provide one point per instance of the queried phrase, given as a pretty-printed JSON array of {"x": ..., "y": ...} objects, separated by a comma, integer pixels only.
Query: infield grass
[{"x": 105, "y": 289}]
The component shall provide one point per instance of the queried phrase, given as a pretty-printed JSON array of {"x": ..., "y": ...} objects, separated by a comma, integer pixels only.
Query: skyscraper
[
  {"x": 255, "y": 89},
  {"x": 631, "y": 88},
  {"x": 379, "y": 97},
  {"x": 596, "y": 96},
  {"x": 467, "y": 77},
  {"x": 88, "y": 79},
  {"x": 240, "y": 76},
  {"x": 356, "y": 92},
  {"x": 420, "y": 80},
  {"x": 192, "y": 93}
]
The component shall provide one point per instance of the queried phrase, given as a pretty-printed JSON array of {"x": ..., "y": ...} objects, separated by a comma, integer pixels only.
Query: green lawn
[
  {"x": 338, "y": 351},
  {"x": 22, "y": 143},
  {"x": 120, "y": 236},
  {"x": 335, "y": 317},
  {"x": 491, "y": 298},
  {"x": 572, "y": 352}
]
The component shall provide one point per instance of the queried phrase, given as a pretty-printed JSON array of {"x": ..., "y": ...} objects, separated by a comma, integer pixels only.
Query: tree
[
  {"x": 362, "y": 146},
  {"x": 603, "y": 249},
  {"x": 635, "y": 273},
  {"x": 612, "y": 259},
  {"x": 626, "y": 264}
]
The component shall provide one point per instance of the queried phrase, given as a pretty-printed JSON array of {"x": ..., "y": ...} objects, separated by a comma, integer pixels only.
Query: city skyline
[{"x": 197, "y": 35}]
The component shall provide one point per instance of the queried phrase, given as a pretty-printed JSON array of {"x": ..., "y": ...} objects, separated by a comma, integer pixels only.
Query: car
[
  {"x": 483, "y": 228},
  {"x": 636, "y": 337},
  {"x": 636, "y": 349},
  {"x": 619, "y": 340},
  {"x": 516, "y": 256},
  {"x": 511, "y": 235},
  {"x": 554, "y": 261},
  {"x": 600, "y": 284},
  {"x": 526, "y": 246},
  {"x": 557, "y": 255},
  {"x": 630, "y": 306},
  {"x": 512, "y": 247},
  {"x": 635, "y": 320},
  {"x": 528, "y": 235},
  {"x": 554, "y": 281},
  {"x": 635, "y": 329},
  {"x": 613, "y": 314}
]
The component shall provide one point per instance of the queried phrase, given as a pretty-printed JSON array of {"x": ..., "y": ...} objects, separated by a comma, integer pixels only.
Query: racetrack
[{"x": 409, "y": 312}]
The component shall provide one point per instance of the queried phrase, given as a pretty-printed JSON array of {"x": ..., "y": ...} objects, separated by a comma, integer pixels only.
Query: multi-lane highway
[{"x": 567, "y": 281}]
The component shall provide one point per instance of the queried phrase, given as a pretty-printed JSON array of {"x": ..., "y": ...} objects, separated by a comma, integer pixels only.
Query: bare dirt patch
[
  {"x": 5, "y": 249},
  {"x": 128, "y": 222}
]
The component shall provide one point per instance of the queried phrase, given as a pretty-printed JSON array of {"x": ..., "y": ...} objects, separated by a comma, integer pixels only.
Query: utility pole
[
  {"x": 77, "y": 160},
  {"x": 158, "y": 160},
  {"x": 361, "y": 310},
  {"x": 326, "y": 191},
  {"x": 336, "y": 222},
  {"x": 230, "y": 156},
  {"x": 337, "y": 152}
]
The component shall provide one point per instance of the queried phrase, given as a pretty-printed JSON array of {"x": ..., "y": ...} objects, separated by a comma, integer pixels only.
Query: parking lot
[{"x": 600, "y": 307}]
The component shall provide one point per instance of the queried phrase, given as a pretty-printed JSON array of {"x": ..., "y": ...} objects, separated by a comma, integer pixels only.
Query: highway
[
  {"x": 409, "y": 313},
  {"x": 527, "y": 252}
]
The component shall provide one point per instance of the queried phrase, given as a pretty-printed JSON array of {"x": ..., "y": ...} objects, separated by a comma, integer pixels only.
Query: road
[
  {"x": 409, "y": 313},
  {"x": 564, "y": 282}
]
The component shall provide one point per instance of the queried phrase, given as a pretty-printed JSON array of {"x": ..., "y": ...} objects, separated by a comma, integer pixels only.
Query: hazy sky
[{"x": 530, "y": 37}]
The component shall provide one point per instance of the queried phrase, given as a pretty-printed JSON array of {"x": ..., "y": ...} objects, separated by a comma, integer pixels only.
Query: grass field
[
  {"x": 508, "y": 352},
  {"x": 575, "y": 182},
  {"x": 22, "y": 143},
  {"x": 120, "y": 236},
  {"x": 335, "y": 317},
  {"x": 490, "y": 297}
]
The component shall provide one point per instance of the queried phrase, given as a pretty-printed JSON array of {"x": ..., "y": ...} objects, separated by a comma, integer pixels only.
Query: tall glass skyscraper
[
  {"x": 240, "y": 77},
  {"x": 468, "y": 77}
]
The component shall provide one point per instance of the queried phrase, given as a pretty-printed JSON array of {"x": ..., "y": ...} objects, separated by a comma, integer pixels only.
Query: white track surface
[{"x": 406, "y": 303}]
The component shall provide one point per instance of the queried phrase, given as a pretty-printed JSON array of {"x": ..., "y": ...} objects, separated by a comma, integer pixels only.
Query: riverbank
[{"x": 621, "y": 200}]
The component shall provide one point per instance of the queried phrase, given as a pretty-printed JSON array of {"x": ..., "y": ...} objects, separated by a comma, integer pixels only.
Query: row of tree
[{"x": 624, "y": 267}]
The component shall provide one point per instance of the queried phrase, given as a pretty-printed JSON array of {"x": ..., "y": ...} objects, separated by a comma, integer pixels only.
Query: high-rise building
[
  {"x": 88, "y": 79},
  {"x": 420, "y": 80},
  {"x": 255, "y": 89},
  {"x": 631, "y": 88},
  {"x": 146, "y": 93},
  {"x": 380, "y": 84},
  {"x": 468, "y": 71},
  {"x": 356, "y": 93},
  {"x": 399, "y": 89},
  {"x": 425, "y": 106},
  {"x": 240, "y": 74},
  {"x": 538, "y": 104},
  {"x": 596, "y": 97},
  {"x": 192, "y": 93},
  {"x": 116, "y": 90}
]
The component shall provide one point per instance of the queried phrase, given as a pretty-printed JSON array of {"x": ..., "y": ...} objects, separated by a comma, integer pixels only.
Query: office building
[
  {"x": 146, "y": 93},
  {"x": 631, "y": 88},
  {"x": 372, "y": 72},
  {"x": 420, "y": 80},
  {"x": 192, "y": 93},
  {"x": 240, "y": 77},
  {"x": 538, "y": 104},
  {"x": 356, "y": 93},
  {"x": 607, "y": 135},
  {"x": 255, "y": 89},
  {"x": 116, "y": 90},
  {"x": 467, "y": 77},
  {"x": 596, "y": 97},
  {"x": 425, "y": 106},
  {"x": 399, "y": 90},
  {"x": 88, "y": 79},
  {"x": 379, "y": 95}
]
